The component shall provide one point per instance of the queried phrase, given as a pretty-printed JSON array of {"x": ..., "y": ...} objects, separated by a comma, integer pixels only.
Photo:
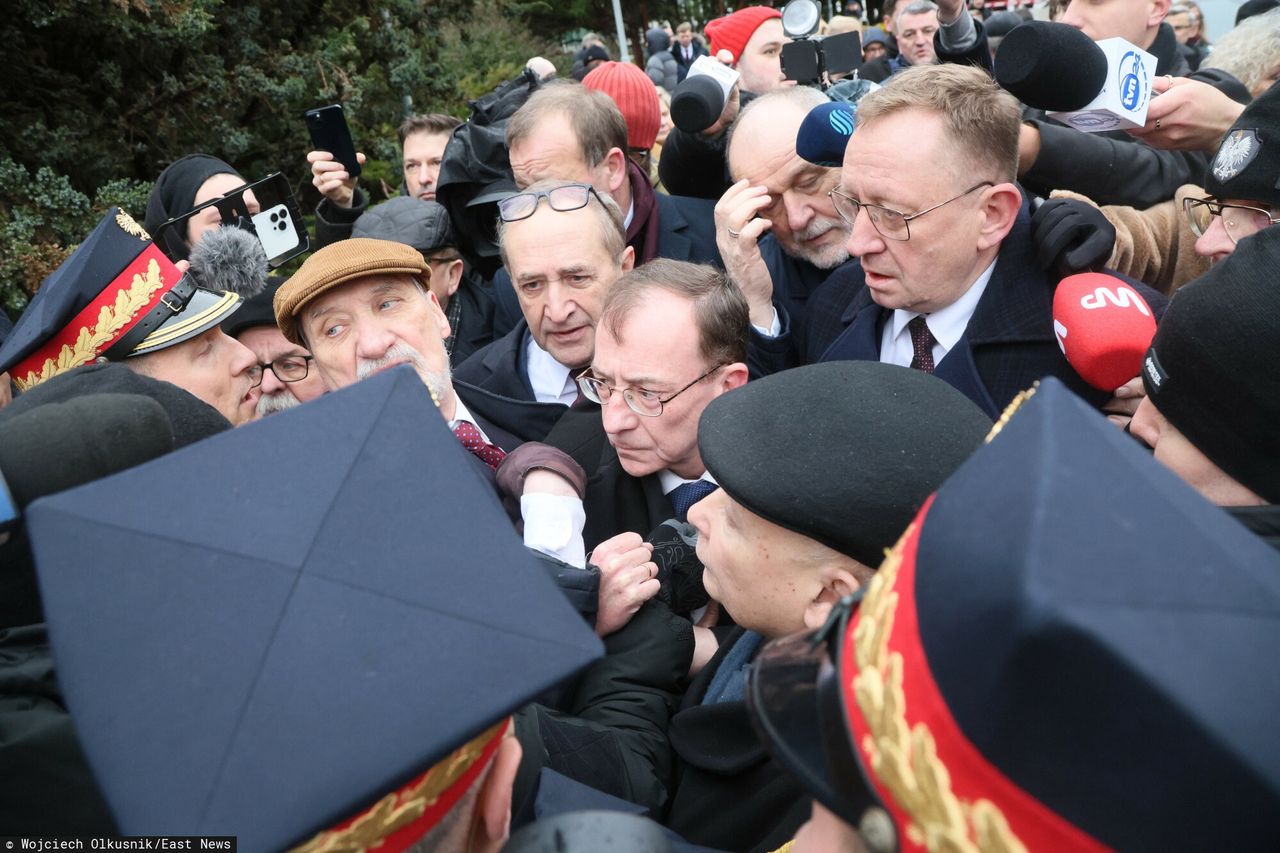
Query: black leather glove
[
  {"x": 679, "y": 569},
  {"x": 1071, "y": 237}
]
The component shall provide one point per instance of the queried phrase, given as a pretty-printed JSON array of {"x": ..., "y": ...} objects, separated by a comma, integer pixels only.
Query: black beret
[
  {"x": 1209, "y": 367},
  {"x": 843, "y": 452},
  {"x": 1247, "y": 165},
  {"x": 257, "y": 310}
]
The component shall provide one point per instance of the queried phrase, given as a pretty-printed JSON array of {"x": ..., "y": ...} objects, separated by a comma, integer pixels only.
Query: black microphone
[
  {"x": 57, "y": 446},
  {"x": 1052, "y": 67},
  {"x": 697, "y": 103},
  {"x": 230, "y": 259}
]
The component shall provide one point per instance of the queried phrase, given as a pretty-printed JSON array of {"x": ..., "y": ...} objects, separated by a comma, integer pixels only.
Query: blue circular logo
[{"x": 1133, "y": 86}]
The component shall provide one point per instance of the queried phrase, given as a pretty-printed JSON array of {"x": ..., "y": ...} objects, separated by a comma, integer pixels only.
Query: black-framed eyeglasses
[
  {"x": 563, "y": 198},
  {"x": 889, "y": 223},
  {"x": 642, "y": 401},
  {"x": 1238, "y": 220},
  {"x": 287, "y": 368}
]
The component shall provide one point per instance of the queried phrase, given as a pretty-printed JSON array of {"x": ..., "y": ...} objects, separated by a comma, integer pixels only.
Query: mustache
[
  {"x": 398, "y": 353},
  {"x": 821, "y": 225},
  {"x": 271, "y": 404}
]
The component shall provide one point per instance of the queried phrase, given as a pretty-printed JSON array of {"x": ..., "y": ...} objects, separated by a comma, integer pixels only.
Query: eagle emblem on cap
[
  {"x": 129, "y": 226},
  {"x": 1237, "y": 150}
]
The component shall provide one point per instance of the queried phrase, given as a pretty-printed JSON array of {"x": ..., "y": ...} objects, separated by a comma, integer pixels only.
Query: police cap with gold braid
[
  {"x": 1068, "y": 649},
  {"x": 116, "y": 296}
]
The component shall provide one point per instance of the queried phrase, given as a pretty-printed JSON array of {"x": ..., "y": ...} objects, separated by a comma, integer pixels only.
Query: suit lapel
[
  {"x": 860, "y": 339},
  {"x": 671, "y": 224}
]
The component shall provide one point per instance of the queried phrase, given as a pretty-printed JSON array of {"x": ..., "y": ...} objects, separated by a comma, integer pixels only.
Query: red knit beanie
[
  {"x": 732, "y": 32},
  {"x": 636, "y": 97}
]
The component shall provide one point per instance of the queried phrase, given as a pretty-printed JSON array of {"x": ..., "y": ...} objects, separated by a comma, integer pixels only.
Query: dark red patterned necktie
[
  {"x": 473, "y": 441},
  {"x": 921, "y": 344}
]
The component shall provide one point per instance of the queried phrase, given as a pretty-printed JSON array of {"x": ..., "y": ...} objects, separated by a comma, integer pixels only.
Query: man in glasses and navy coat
[{"x": 950, "y": 282}]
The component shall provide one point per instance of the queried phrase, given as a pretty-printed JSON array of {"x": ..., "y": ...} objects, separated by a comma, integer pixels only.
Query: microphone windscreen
[
  {"x": 230, "y": 259},
  {"x": 697, "y": 103},
  {"x": 1052, "y": 67},
  {"x": 1104, "y": 328},
  {"x": 58, "y": 446},
  {"x": 825, "y": 132}
]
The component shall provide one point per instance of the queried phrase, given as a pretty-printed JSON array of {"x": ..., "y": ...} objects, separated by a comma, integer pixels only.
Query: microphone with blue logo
[
  {"x": 825, "y": 132},
  {"x": 1090, "y": 86}
]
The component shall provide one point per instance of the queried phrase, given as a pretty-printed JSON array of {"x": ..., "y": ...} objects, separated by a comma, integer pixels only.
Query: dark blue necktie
[{"x": 686, "y": 495}]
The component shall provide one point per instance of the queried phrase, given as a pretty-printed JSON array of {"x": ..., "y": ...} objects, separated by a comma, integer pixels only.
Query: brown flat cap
[{"x": 339, "y": 263}]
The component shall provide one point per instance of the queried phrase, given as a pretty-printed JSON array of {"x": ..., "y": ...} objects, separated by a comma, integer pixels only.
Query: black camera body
[{"x": 808, "y": 60}]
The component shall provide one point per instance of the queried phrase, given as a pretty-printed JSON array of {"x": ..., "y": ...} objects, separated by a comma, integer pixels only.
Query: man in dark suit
[
  {"x": 948, "y": 281},
  {"x": 672, "y": 337},
  {"x": 570, "y": 133},
  {"x": 686, "y": 51},
  {"x": 564, "y": 247}
]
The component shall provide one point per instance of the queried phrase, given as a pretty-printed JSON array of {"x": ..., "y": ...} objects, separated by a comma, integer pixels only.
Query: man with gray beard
[
  {"x": 360, "y": 306},
  {"x": 287, "y": 377},
  {"x": 777, "y": 230}
]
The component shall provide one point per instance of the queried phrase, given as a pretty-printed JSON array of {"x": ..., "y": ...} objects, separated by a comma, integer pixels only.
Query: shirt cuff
[
  {"x": 775, "y": 328},
  {"x": 553, "y": 525}
]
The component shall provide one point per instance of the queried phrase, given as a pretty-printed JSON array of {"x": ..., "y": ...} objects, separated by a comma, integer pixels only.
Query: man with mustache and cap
[
  {"x": 1066, "y": 650},
  {"x": 361, "y": 306},
  {"x": 119, "y": 299}
]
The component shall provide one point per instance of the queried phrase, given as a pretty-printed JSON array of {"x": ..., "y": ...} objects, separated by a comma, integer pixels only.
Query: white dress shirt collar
[
  {"x": 947, "y": 325},
  {"x": 461, "y": 414},
  {"x": 552, "y": 382},
  {"x": 670, "y": 482}
]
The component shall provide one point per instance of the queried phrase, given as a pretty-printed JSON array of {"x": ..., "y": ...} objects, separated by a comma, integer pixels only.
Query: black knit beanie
[{"x": 1212, "y": 367}]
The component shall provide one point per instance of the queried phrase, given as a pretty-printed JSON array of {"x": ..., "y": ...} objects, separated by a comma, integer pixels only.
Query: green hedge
[{"x": 99, "y": 97}]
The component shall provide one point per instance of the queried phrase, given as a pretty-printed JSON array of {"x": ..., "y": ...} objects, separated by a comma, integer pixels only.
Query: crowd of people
[{"x": 779, "y": 486}]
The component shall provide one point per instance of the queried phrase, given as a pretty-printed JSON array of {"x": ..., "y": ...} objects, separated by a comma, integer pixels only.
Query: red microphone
[{"x": 1104, "y": 328}]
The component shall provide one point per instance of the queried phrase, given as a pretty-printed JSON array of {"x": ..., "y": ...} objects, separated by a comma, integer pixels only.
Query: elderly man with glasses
[
  {"x": 949, "y": 279},
  {"x": 564, "y": 246},
  {"x": 671, "y": 337},
  {"x": 283, "y": 372}
]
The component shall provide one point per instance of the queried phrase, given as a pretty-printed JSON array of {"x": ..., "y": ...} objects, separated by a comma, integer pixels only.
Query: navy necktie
[{"x": 686, "y": 495}]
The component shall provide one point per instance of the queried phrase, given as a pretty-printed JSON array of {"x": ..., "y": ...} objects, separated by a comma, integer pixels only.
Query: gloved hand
[{"x": 1071, "y": 237}]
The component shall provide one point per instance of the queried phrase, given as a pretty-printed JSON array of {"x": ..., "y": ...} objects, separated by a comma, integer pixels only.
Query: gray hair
[
  {"x": 1251, "y": 51},
  {"x": 917, "y": 7},
  {"x": 609, "y": 216}
]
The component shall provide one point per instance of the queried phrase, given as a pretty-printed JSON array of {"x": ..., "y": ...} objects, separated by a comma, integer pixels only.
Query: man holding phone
[{"x": 422, "y": 140}]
